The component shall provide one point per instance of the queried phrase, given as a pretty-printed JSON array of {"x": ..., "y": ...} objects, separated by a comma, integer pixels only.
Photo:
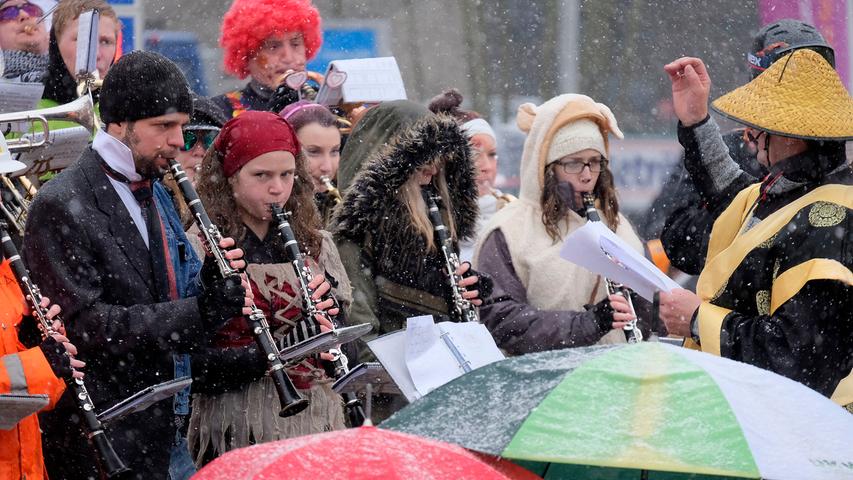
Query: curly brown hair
[
  {"x": 555, "y": 208},
  {"x": 216, "y": 195}
]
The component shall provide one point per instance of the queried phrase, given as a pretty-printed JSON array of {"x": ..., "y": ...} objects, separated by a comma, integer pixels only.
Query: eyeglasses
[
  {"x": 192, "y": 137},
  {"x": 12, "y": 11},
  {"x": 577, "y": 166},
  {"x": 748, "y": 137}
]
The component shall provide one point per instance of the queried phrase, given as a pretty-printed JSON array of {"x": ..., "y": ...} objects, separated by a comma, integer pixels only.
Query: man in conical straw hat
[{"x": 777, "y": 287}]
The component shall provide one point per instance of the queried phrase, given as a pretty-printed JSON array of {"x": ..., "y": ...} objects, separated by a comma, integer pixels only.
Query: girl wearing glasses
[{"x": 542, "y": 302}]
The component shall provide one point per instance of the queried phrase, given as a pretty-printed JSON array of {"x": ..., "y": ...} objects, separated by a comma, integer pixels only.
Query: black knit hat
[
  {"x": 206, "y": 114},
  {"x": 143, "y": 85}
]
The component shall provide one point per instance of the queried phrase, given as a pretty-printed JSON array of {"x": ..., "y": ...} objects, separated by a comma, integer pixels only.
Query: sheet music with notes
[
  {"x": 599, "y": 250},
  {"x": 19, "y": 97},
  {"x": 368, "y": 80},
  {"x": 64, "y": 147}
]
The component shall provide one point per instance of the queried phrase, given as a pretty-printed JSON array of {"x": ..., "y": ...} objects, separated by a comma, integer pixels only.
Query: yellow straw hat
[{"x": 800, "y": 96}]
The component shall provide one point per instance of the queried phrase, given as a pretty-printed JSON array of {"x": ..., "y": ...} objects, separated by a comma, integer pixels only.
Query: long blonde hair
[{"x": 410, "y": 195}]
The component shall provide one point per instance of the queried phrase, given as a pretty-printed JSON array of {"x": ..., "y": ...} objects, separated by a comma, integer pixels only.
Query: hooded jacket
[
  {"x": 393, "y": 274},
  {"x": 539, "y": 297}
]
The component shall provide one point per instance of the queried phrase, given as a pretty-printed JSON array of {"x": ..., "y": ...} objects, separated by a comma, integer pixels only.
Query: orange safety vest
[{"x": 22, "y": 370}]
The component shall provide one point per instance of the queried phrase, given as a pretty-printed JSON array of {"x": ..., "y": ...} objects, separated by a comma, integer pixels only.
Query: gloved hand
[
  {"x": 282, "y": 97},
  {"x": 221, "y": 300},
  {"x": 54, "y": 352},
  {"x": 603, "y": 313}
]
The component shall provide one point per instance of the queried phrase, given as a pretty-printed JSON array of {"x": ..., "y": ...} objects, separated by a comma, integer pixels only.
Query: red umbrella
[{"x": 362, "y": 453}]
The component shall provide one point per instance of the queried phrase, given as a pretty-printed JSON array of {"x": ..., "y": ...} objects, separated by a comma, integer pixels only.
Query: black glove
[
  {"x": 603, "y": 313},
  {"x": 484, "y": 286},
  {"x": 221, "y": 300},
  {"x": 28, "y": 332},
  {"x": 282, "y": 97},
  {"x": 56, "y": 357}
]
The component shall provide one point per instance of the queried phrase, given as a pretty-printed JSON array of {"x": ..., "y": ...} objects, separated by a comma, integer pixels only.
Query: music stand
[
  {"x": 324, "y": 342},
  {"x": 15, "y": 407},
  {"x": 361, "y": 375},
  {"x": 144, "y": 398}
]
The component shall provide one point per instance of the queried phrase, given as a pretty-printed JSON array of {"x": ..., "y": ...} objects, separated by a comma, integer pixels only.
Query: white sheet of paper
[
  {"x": 431, "y": 362},
  {"x": 599, "y": 250},
  {"x": 19, "y": 97},
  {"x": 369, "y": 80},
  {"x": 87, "y": 42},
  {"x": 390, "y": 350},
  {"x": 63, "y": 149}
]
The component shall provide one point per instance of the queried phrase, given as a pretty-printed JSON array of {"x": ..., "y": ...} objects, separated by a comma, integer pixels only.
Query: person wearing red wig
[{"x": 263, "y": 39}]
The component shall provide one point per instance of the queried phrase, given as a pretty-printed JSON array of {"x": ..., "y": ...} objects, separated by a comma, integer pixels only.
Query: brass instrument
[
  {"x": 506, "y": 197},
  {"x": 298, "y": 80},
  {"x": 332, "y": 190},
  {"x": 632, "y": 330},
  {"x": 80, "y": 111}
]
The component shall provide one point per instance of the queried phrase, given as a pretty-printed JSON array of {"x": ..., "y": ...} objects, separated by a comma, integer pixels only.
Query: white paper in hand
[
  {"x": 600, "y": 251},
  {"x": 368, "y": 80}
]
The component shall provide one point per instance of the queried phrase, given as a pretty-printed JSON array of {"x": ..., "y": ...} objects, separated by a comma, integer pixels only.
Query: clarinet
[
  {"x": 109, "y": 462},
  {"x": 632, "y": 331},
  {"x": 291, "y": 401},
  {"x": 462, "y": 308},
  {"x": 303, "y": 273}
]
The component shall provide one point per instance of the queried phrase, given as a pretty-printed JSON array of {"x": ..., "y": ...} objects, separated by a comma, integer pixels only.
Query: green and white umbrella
[{"x": 639, "y": 411}]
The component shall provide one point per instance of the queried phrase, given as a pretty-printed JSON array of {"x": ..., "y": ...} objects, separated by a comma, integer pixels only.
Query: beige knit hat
[{"x": 574, "y": 137}]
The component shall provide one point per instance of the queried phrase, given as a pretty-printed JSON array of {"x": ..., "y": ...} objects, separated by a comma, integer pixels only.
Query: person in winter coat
[
  {"x": 484, "y": 149},
  {"x": 103, "y": 239},
  {"x": 320, "y": 137},
  {"x": 27, "y": 369},
  {"x": 382, "y": 229},
  {"x": 264, "y": 39},
  {"x": 542, "y": 302},
  {"x": 254, "y": 162},
  {"x": 681, "y": 216},
  {"x": 777, "y": 288}
]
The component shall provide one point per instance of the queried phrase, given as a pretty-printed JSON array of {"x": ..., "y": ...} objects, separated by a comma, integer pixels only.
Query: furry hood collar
[{"x": 372, "y": 199}]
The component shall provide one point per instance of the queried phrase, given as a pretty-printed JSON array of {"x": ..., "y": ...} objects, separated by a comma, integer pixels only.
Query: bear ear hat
[
  {"x": 611, "y": 120},
  {"x": 525, "y": 117}
]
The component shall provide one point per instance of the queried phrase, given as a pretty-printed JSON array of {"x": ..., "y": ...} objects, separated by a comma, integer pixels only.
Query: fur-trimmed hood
[{"x": 372, "y": 198}]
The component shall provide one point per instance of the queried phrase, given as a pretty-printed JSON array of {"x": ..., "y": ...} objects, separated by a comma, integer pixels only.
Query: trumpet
[
  {"x": 332, "y": 189},
  {"x": 80, "y": 111},
  {"x": 632, "y": 330}
]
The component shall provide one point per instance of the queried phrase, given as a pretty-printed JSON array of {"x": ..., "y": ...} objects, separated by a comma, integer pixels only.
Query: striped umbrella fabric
[{"x": 630, "y": 411}]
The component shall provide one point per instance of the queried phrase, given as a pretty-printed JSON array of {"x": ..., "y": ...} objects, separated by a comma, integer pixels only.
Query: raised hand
[{"x": 691, "y": 89}]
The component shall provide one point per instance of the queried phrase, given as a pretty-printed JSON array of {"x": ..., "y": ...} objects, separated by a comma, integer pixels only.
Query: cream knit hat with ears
[{"x": 579, "y": 135}]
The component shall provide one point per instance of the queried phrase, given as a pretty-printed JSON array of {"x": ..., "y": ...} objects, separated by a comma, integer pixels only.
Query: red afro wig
[{"x": 248, "y": 23}]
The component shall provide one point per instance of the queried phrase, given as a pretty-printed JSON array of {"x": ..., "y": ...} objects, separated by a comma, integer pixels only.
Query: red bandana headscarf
[{"x": 252, "y": 134}]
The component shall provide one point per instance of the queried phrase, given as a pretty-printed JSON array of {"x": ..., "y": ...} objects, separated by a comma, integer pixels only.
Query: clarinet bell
[
  {"x": 291, "y": 401},
  {"x": 110, "y": 462}
]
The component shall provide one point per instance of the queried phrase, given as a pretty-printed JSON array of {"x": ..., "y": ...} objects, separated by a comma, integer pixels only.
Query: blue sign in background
[{"x": 342, "y": 43}]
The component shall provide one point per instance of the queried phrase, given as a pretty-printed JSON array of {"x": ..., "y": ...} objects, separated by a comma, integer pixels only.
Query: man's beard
[{"x": 146, "y": 166}]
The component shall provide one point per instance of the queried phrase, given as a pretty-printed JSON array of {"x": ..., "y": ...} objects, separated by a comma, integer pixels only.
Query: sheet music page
[
  {"x": 19, "y": 97},
  {"x": 431, "y": 364},
  {"x": 474, "y": 341},
  {"x": 87, "y": 42},
  {"x": 368, "y": 80},
  {"x": 64, "y": 148},
  {"x": 596, "y": 248},
  {"x": 390, "y": 350}
]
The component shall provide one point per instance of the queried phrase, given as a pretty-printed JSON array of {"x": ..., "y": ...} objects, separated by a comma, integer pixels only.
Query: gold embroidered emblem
[
  {"x": 826, "y": 214},
  {"x": 776, "y": 266},
  {"x": 769, "y": 242},
  {"x": 762, "y": 302}
]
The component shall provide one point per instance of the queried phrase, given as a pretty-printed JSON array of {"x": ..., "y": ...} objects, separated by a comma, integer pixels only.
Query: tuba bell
[{"x": 80, "y": 111}]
